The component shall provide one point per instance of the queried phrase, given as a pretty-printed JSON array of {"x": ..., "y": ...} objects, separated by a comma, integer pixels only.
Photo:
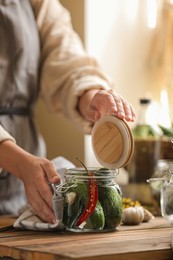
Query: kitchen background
[{"x": 132, "y": 39}]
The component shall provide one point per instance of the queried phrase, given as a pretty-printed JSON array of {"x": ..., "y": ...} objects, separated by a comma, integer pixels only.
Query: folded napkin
[{"x": 29, "y": 221}]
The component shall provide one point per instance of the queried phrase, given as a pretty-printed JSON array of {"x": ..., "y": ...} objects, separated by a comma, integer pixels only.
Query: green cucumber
[
  {"x": 97, "y": 218},
  {"x": 111, "y": 202},
  {"x": 72, "y": 212},
  {"x": 167, "y": 131}
]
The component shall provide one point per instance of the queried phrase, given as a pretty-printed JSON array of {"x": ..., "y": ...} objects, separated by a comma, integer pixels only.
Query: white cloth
[{"x": 29, "y": 221}]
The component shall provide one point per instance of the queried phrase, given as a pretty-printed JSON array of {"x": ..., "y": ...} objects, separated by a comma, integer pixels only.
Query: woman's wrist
[{"x": 85, "y": 100}]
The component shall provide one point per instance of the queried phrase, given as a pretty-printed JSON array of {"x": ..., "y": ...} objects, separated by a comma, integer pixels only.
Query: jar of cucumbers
[
  {"x": 89, "y": 197},
  {"x": 92, "y": 200}
]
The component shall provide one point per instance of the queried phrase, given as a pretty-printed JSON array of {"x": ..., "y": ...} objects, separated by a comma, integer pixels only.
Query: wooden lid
[{"x": 112, "y": 142}]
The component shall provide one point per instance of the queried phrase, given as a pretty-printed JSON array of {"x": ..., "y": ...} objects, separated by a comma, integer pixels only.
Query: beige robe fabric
[
  {"x": 66, "y": 71},
  {"x": 40, "y": 54}
]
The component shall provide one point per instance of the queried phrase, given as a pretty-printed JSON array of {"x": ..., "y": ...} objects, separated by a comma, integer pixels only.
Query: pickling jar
[
  {"x": 92, "y": 200},
  {"x": 165, "y": 185}
]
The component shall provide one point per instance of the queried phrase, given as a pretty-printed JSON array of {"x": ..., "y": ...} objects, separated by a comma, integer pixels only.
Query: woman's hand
[
  {"x": 36, "y": 173},
  {"x": 39, "y": 173},
  {"x": 96, "y": 103}
]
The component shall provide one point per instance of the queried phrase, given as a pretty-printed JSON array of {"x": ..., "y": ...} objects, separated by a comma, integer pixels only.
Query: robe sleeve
[{"x": 67, "y": 71}]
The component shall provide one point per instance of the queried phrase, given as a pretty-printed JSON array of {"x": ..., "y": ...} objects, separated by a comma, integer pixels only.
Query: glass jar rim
[{"x": 98, "y": 173}]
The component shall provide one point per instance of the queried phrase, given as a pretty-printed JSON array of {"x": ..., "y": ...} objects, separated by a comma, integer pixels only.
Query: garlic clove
[
  {"x": 133, "y": 215},
  {"x": 70, "y": 198},
  {"x": 147, "y": 215}
]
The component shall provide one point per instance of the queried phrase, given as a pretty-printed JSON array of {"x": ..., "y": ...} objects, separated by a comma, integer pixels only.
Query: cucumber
[
  {"x": 144, "y": 131},
  {"x": 72, "y": 212},
  {"x": 97, "y": 219},
  {"x": 111, "y": 202},
  {"x": 167, "y": 131}
]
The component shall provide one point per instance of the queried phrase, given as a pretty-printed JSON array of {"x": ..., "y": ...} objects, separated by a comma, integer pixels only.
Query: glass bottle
[
  {"x": 92, "y": 200},
  {"x": 146, "y": 153}
]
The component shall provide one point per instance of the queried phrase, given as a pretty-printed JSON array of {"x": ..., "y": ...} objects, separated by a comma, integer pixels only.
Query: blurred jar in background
[
  {"x": 156, "y": 182},
  {"x": 166, "y": 195},
  {"x": 147, "y": 144},
  {"x": 147, "y": 152},
  {"x": 162, "y": 186}
]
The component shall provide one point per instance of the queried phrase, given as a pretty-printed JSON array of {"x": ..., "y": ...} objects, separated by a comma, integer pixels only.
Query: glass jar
[
  {"x": 155, "y": 186},
  {"x": 164, "y": 183},
  {"x": 147, "y": 145},
  {"x": 147, "y": 151},
  {"x": 92, "y": 200},
  {"x": 166, "y": 196}
]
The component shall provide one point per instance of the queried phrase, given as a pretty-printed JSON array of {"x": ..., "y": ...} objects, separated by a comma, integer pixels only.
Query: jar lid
[{"x": 112, "y": 142}]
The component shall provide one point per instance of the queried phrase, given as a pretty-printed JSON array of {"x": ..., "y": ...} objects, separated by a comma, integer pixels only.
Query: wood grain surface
[
  {"x": 112, "y": 142},
  {"x": 152, "y": 240}
]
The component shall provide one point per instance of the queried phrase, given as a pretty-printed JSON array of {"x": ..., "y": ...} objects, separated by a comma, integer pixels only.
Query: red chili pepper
[{"x": 92, "y": 200}]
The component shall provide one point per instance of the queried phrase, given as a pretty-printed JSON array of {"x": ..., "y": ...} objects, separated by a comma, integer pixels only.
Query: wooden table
[{"x": 152, "y": 240}]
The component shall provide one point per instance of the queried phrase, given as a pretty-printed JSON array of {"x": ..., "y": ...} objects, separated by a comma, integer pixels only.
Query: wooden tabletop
[{"x": 152, "y": 240}]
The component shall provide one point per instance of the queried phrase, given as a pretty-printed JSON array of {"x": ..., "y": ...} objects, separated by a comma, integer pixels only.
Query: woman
[{"x": 41, "y": 55}]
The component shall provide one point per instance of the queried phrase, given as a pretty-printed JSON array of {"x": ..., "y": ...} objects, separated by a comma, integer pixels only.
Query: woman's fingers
[
  {"x": 41, "y": 208},
  {"x": 124, "y": 109},
  {"x": 50, "y": 171},
  {"x": 129, "y": 112},
  {"x": 110, "y": 103},
  {"x": 39, "y": 196}
]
